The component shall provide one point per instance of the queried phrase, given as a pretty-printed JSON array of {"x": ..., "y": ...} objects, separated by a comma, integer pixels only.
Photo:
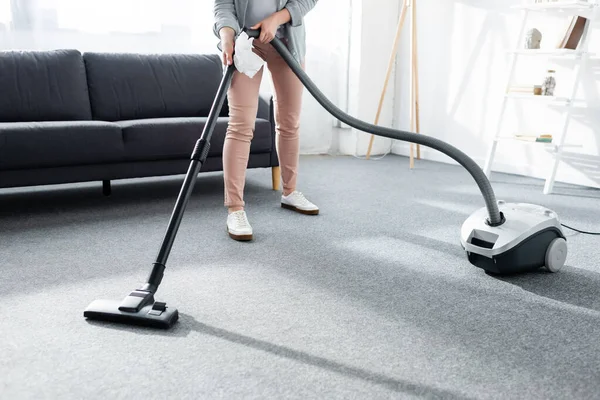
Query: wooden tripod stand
[{"x": 414, "y": 87}]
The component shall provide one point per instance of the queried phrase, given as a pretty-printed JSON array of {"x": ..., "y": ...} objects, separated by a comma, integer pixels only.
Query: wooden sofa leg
[
  {"x": 276, "y": 176},
  {"x": 106, "y": 188}
]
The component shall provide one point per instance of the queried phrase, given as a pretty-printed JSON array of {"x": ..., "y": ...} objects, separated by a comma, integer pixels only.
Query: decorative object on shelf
[
  {"x": 549, "y": 84},
  {"x": 533, "y": 39},
  {"x": 537, "y": 90},
  {"x": 574, "y": 33}
]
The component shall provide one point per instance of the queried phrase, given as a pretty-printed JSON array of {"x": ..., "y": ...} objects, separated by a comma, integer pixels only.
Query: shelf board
[
  {"x": 561, "y": 6},
  {"x": 532, "y": 97},
  {"x": 521, "y": 140},
  {"x": 553, "y": 144},
  {"x": 551, "y": 52}
]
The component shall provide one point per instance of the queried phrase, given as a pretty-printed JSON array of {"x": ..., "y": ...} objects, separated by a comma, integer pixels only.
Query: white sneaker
[
  {"x": 297, "y": 202},
  {"x": 238, "y": 226}
]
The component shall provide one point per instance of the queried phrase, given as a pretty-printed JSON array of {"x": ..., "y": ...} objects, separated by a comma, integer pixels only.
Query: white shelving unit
[{"x": 588, "y": 9}]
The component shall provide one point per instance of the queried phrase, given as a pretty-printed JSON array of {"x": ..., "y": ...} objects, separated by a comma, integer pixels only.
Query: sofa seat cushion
[
  {"x": 175, "y": 138},
  {"x": 58, "y": 144}
]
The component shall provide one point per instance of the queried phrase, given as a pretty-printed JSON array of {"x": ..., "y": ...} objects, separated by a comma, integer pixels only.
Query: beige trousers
[{"x": 243, "y": 106}]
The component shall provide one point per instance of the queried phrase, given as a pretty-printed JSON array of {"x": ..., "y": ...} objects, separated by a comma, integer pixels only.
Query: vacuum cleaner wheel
[{"x": 556, "y": 254}]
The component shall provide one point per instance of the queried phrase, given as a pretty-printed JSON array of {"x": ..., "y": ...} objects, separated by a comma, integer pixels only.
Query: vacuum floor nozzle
[{"x": 156, "y": 315}]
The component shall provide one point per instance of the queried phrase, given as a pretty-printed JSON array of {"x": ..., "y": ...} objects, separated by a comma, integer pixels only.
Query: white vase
[{"x": 533, "y": 39}]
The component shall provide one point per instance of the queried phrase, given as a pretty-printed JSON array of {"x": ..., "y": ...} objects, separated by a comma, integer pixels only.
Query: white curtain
[
  {"x": 176, "y": 26},
  {"x": 158, "y": 26}
]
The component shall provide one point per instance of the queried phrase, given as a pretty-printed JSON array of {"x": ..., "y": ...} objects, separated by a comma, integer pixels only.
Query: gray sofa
[{"x": 69, "y": 117}]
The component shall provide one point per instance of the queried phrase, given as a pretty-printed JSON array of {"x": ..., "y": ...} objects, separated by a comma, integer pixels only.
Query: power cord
[
  {"x": 580, "y": 231},
  {"x": 389, "y": 151}
]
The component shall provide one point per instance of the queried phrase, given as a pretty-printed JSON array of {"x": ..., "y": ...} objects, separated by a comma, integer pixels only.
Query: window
[{"x": 107, "y": 16}]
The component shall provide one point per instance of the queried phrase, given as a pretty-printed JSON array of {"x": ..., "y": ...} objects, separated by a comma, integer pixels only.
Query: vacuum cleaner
[{"x": 500, "y": 238}]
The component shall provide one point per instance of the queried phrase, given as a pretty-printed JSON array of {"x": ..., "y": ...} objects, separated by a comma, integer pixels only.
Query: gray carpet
[{"x": 373, "y": 299}]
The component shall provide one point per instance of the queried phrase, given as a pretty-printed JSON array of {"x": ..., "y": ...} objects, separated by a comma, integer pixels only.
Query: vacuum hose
[{"x": 495, "y": 217}]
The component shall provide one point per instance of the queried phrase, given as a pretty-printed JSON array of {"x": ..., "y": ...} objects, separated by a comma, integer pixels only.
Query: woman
[{"x": 283, "y": 18}]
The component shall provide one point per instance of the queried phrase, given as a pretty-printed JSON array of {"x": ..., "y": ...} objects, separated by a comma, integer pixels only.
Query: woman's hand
[
  {"x": 268, "y": 26},
  {"x": 227, "y": 44}
]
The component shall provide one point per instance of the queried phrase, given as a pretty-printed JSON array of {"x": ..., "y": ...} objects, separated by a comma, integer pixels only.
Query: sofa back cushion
[
  {"x": 128, "y": 86},
  {"x": 43, "y": 86}
]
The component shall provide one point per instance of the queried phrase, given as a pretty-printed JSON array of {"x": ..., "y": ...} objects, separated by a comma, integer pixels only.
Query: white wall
[
  {"x": 373, "y": 29},
  {"x": 462, "y": 67}
]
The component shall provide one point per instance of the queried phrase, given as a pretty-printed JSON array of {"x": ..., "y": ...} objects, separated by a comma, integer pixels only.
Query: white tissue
[{"x": 246, "y": 61}]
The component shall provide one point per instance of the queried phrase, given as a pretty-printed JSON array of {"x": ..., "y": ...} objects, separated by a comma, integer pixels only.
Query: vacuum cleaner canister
[{"x": 530, "y": 238}]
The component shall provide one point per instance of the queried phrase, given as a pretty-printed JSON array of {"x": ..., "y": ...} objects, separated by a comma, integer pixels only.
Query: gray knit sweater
[{"x": 232, "y": 13}]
